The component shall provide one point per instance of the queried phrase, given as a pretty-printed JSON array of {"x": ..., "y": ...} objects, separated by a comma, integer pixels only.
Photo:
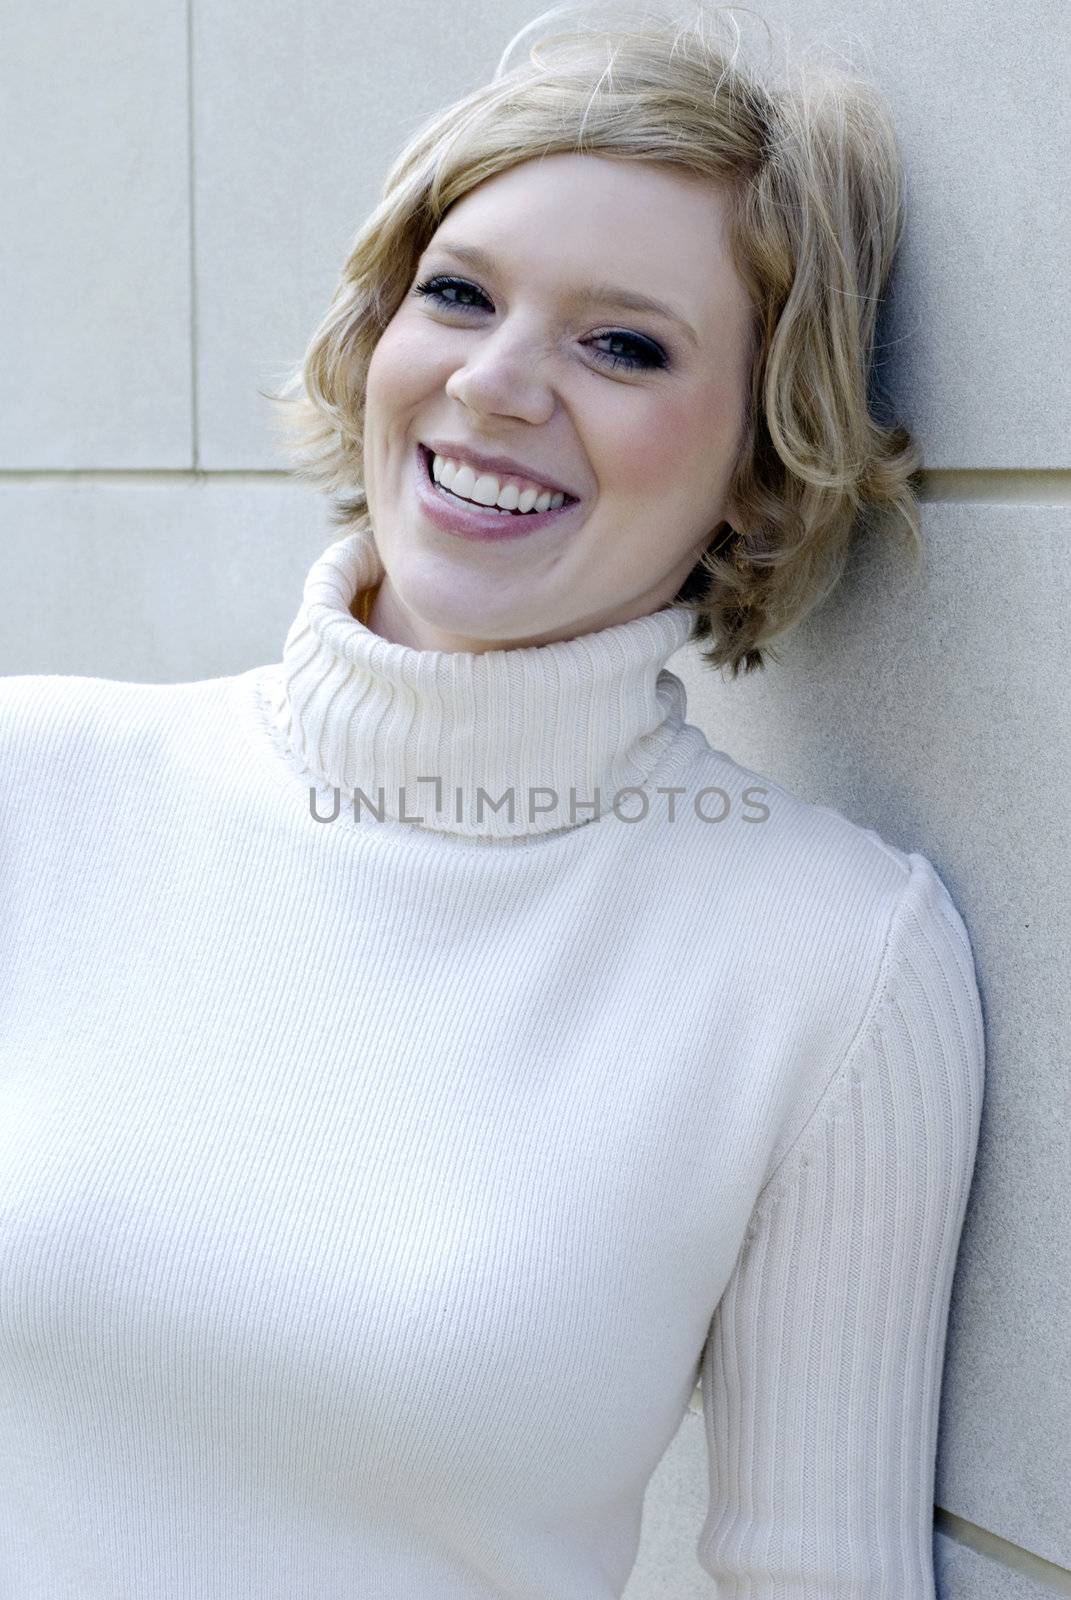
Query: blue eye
[{"x": 648, "y": 354}]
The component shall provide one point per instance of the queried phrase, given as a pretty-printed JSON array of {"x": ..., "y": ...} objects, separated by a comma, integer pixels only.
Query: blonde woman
[{"x": 425, "y": 1058}]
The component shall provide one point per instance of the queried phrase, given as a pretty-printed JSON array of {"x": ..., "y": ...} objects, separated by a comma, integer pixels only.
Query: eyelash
[{"x": 432, "y": 289}]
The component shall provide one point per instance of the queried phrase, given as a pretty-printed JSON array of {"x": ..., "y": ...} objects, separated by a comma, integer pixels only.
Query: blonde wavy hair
[{"x": 808, "y": 163}]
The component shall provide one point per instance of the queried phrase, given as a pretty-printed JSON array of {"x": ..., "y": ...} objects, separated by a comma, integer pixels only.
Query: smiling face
[{"x": 638, "y": 413}]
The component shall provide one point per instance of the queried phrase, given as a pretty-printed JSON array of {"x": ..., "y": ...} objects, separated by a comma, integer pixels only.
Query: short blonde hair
[{"x": 809, "y": 167}]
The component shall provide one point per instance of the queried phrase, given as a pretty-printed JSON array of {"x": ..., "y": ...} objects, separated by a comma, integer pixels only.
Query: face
[{"x": 637, "y": 412}]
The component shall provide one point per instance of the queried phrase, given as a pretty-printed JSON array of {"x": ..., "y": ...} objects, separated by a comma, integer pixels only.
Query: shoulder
[
  {"x": 929, "y": 985},
  {"x": 829, "y": 924},
  {"x": 854, "y": 869},
  {"x": 908, "y": 1090},
  {"x": 67, "y": 729},
  {"x": 789, "y": 863},
  {"x": 38, "y": 708}
]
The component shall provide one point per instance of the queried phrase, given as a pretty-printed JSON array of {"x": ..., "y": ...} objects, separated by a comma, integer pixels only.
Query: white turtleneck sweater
[{"x": 373, "y": 1193}]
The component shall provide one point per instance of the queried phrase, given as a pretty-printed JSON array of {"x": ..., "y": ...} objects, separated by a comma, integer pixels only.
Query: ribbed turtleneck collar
[{"x": 593, "y": 713}]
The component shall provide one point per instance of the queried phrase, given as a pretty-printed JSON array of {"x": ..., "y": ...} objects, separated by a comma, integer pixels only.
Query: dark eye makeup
[{"x": 646, "y": 354}]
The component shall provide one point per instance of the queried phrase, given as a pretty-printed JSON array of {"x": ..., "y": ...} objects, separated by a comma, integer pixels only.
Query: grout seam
[
  {"x": 982, "y": 487},
  {"x": 1049, "y": 1576}
]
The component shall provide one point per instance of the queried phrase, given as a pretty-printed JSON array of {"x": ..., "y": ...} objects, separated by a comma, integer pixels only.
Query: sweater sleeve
[{"x": 821, "y": 1374}]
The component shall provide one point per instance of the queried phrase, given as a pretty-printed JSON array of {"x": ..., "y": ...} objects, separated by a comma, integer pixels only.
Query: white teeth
[{"x": 487, "y": 490}]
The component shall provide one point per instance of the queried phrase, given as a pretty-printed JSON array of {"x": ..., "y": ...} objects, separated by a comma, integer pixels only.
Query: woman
[{"x": 423, "y": 1059}]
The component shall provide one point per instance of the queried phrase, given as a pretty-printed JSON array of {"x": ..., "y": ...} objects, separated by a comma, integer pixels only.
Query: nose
[{"x": 503, "y": 378}]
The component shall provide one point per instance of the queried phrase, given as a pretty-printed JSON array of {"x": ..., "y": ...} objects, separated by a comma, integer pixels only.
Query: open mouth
[{"x": 570, "y": 500}]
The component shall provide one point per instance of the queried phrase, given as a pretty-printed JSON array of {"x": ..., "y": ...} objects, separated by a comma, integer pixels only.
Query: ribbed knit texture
[
  {"x": 423, "y": 732},
  {"x": 373, "y": 1194}
]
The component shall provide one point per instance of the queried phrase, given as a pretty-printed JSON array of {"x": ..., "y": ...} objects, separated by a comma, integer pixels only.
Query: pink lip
[{"x": 469, "y": 521}]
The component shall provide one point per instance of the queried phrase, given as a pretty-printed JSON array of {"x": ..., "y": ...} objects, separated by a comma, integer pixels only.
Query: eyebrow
[{"x": 604, "y": 293}]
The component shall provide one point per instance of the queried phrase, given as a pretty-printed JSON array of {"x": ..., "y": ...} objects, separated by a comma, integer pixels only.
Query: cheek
[
  {"x": 651, "y": 450},
  {"x": 400, "y": 371},
  {"x": 677, "y": 448}
]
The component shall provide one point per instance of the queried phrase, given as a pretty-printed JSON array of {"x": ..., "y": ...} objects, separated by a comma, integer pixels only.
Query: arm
[{"x": 822, "y": 1371}]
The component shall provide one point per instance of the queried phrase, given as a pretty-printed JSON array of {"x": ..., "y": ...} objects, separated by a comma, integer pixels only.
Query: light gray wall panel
[
  {"x": 674, "y": 1510},
  {"x": 94, "y": 251},
  {"x": 932, "y": 704},
  {"x": 152, "y": 582}
]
